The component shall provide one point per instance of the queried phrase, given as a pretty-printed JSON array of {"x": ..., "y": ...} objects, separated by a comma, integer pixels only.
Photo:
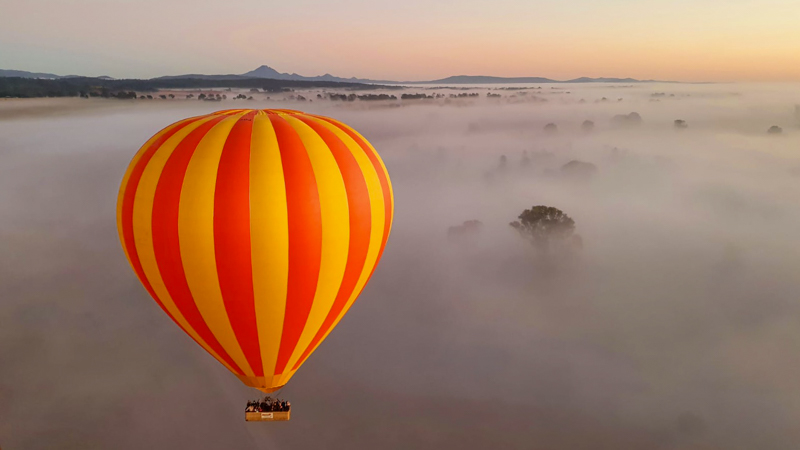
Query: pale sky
[{"x": 682, "y": 40}]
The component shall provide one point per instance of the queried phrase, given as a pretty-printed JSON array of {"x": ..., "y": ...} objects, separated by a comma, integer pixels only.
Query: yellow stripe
[
  {"x": 143, "y": 233},
  {"x": 196, "y": 232},
  {"x": 123, "y": 186},
  {"x": 383, "y": 166},
  {"x": 378, "y": 215},
  {"x": 269, "y": 239},
  {"x": 335, "y": 224},
  {"x": 283, "y": 378}
]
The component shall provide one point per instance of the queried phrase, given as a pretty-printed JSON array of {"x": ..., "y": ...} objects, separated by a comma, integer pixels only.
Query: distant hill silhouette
[
  {"x": 265, "y": 71},
  {"x": 199, "y": 76},
  {"x": 480, "y": 79},
  {"x": 50, "y": 76},
  {"x": 26, "y": 74},
  {"x": 268, "y": 72}
]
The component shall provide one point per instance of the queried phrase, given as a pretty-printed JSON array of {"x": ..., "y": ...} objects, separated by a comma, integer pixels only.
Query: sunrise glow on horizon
[{"x": 707, "y": 40}]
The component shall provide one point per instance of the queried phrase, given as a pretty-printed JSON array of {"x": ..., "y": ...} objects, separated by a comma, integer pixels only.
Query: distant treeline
[
  {"x": 415, "y": 96},
  {"x": 99, "y": 87},
  {"x": 353, "y": 97}
]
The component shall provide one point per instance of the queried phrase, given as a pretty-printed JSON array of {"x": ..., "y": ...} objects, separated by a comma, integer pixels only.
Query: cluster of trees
[
  {"x": 543, "y": 225},
  {"x": 105, "y": 93},
  {"x": 343, "y": 97},
  {"x": 371, "y": 97},
  {"x": 354, "y": 97},
  {"x": 546, "y": 228},
  {"x": 276, "y": 89},
  {"x": 631, "y": 119},
  {"x": 415, "y": 96},
  {"x": 578, "y": 169},
  {"x": 464, "y": 94},
  {"x": 210, "y": 97},
  {"x": 602, "y": 100},
  {"x": 468, "y": 228},
  {"x": 123, "y": 95}
]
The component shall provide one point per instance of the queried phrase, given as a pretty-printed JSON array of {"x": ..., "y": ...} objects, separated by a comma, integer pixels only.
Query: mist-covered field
[{"x": 675, "y": 325}]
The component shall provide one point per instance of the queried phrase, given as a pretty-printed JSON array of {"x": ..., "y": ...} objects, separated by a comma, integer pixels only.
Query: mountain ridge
[{"x": 267, "y": 72}]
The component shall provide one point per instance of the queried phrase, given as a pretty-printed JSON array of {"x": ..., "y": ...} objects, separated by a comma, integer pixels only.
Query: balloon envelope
[{"x": 255, "y": 231}]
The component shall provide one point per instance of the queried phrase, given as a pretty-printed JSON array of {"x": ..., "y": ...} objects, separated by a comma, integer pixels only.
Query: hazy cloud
[{"x": 676, "y": 326}]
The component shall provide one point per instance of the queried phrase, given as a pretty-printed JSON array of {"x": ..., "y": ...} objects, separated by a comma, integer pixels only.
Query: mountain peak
[{"x": 263, "y": 71}]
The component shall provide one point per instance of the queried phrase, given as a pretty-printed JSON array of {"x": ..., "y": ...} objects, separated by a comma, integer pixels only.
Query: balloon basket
[{"x": 267, "y": 416}]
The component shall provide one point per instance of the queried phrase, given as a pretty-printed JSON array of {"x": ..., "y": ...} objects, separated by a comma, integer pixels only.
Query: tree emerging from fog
[
  {"x": 775, "y": 130},
  {"x": 542, "y": 225}
]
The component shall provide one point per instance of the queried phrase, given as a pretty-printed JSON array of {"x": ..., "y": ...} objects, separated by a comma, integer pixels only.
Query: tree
[
  {"x": 551, "y": 128},
  {"x": 775, "y": 130},
  {"x": 680, "y": 124},
  {"x": 542, "y": 224},
  {"x": 587, "y": 126},
  {"x": 579, "y": 169},
  {"x": 467, "y": 229},
  {"x": 631, "y": 119}
]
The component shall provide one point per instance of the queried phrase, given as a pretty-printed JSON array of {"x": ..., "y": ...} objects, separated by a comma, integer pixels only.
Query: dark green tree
[{"x": 542, "y": 224}]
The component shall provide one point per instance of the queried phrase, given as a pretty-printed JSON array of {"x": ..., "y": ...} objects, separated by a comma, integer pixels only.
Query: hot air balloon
[{"x": 255, "y": 231}]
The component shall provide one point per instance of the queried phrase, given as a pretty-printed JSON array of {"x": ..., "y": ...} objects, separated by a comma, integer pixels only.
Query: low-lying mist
[{"x": 675, "y": 325}]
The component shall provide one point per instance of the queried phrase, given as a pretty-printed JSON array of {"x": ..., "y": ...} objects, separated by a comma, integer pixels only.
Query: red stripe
[
  {"x": 305, "y": 236},
  {"x": 232, "y": 239},
  {"x": 166, "y": 243},
  {"x": 127, "y": 209},
  {"x": 360, "y": 213},
  {"x": 387, "y": 197}
]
